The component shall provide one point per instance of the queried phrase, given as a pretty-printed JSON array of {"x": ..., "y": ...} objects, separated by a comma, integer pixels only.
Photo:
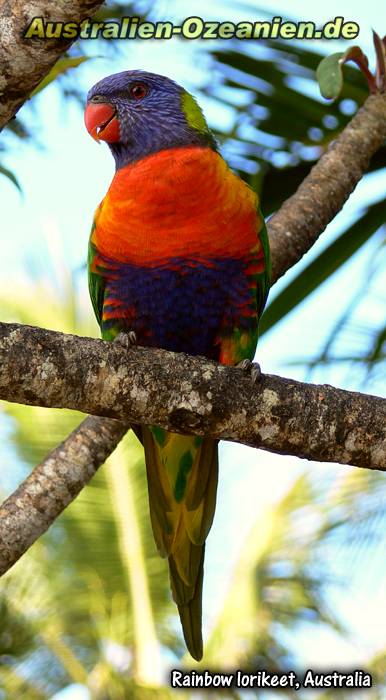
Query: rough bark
[
  {"x": 303, "y": 217},
  {"x": 191, "y": 395},
  {"x": 25, "y": 62},
  {"x": 53, "y": 484}
]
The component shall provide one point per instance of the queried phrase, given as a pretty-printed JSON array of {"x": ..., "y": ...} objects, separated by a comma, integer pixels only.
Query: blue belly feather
[{"x": 182, "y": 305}]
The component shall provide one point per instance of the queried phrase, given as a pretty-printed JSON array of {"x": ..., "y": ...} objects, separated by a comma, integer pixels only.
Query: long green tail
[{"x": 182, "y": 474}]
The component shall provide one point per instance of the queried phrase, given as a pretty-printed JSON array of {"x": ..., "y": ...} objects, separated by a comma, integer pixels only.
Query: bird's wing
[
  {"x": 96, "y": 281},
  {"x": 238, "y": 338}
]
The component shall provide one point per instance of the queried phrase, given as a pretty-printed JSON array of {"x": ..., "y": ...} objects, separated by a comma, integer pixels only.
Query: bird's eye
[{"x": 138, "y": 91}]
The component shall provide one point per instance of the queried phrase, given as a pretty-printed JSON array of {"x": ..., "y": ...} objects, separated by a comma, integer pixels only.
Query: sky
[{"x": 64, "y": 177}]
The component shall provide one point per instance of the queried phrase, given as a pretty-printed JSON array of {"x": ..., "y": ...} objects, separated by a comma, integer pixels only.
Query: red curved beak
[{"x": 101, "y": 122}]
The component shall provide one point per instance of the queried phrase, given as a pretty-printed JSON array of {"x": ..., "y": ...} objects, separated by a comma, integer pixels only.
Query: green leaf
[
  {"x": 60, "y": 67},
  {"x": 329, "y": 76},
  {"x": 322, "y": 267},
  {"x": 9, "y": 174}
]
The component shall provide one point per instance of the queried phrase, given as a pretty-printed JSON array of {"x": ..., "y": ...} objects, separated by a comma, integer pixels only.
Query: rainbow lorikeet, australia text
[{"x": 178, "y": 255}]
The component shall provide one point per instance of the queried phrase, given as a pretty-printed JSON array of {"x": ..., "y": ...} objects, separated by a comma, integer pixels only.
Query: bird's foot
[
  {"x": 252, "y": 367},
  {"x": 126, "y": 340}
]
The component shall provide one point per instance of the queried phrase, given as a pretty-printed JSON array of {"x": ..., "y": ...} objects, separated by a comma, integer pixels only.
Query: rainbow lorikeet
[{"x": 178, "y": 255}]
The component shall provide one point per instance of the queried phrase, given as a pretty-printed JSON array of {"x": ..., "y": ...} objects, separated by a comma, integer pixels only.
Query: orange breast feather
[{"x": 180, "y": 202}]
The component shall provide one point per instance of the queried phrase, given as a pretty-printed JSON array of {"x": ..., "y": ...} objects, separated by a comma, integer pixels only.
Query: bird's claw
[
  {"x": 252, "y": 367},
  {"x": 126, "y": 340}
]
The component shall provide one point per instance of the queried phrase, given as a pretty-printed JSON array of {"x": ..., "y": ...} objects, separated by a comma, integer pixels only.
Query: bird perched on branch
[{"x": 178, "y": 259}]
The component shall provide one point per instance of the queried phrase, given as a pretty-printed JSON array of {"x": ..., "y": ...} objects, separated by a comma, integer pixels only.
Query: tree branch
[
  {"x": 52, "y": 485},
  {"x": 181, "y": 393},
  {"x": 297, "y": 225},
  {"x": 191, "y": 395},
  {"x": 25, "y": 62}
]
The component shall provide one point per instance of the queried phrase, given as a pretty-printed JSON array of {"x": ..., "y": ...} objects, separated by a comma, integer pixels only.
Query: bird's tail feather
[{"x": 182, "y": 476}]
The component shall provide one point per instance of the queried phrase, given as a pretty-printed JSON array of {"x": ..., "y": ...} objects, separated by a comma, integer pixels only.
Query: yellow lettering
[{"x": 36, "y": 28}]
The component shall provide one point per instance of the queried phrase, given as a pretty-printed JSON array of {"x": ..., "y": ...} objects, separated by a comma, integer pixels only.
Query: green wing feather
[
  {"x": 96, "y": 282},
  {"x": 241, "y": 344},
  {"x": 264, "y": 278}
]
